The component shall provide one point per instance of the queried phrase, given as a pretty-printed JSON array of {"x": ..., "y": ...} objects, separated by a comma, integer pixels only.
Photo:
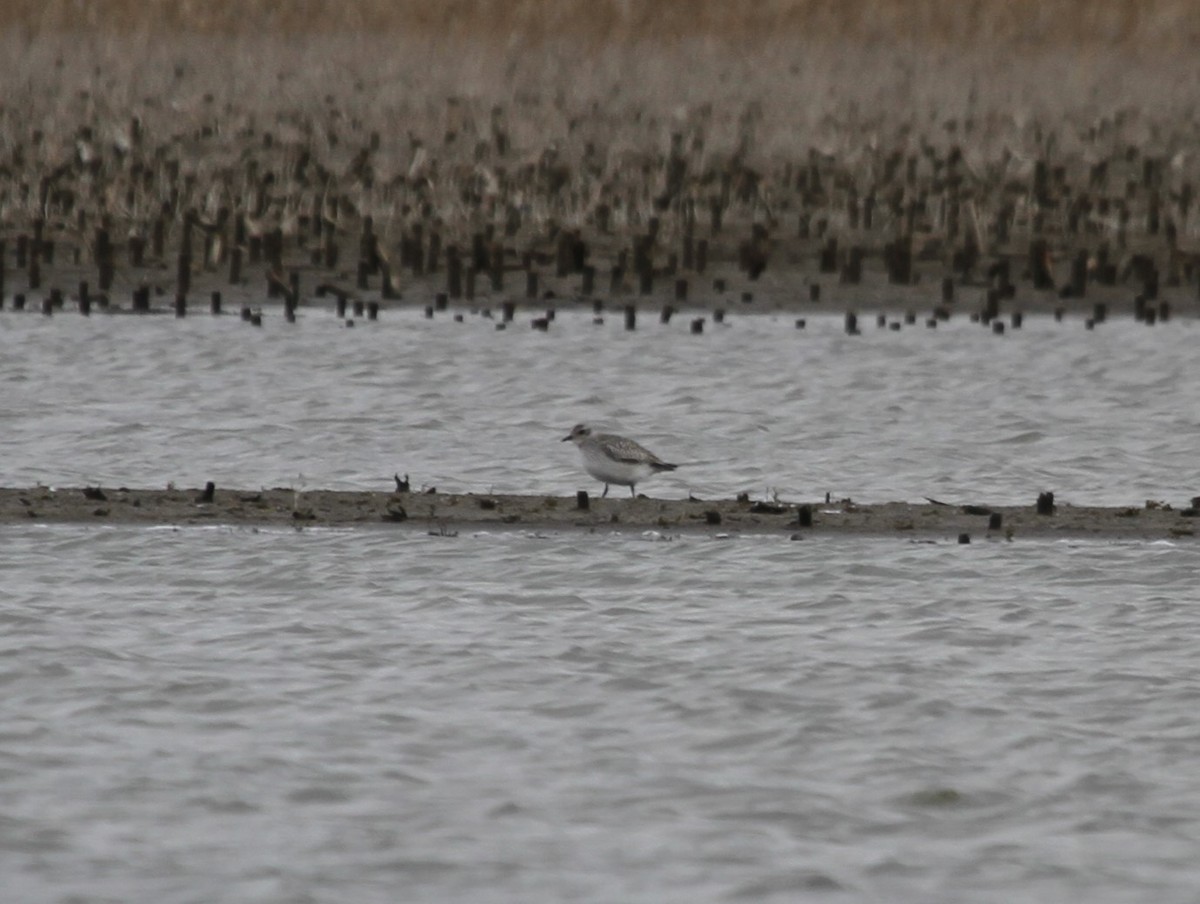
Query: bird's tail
[{"x": 662, "y": 466}]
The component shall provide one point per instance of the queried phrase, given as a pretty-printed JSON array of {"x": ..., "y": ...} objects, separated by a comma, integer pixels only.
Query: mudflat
[{"x": 445, "y": 513}]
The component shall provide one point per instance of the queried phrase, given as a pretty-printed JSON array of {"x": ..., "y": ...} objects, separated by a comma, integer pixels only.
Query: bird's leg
[
  {"x": 605, "y": 493},
  {"x": 632, "y": 492}
]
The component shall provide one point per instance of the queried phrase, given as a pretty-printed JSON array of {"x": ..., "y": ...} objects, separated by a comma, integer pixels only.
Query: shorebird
[{"x": 614, "y": 459}]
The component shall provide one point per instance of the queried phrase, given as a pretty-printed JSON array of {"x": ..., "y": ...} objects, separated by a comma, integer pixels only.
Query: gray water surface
[
  {"x": 1104, "y": 417},
  {"x": 218, "y": 714},
  {"x": 384, "y": 715}
]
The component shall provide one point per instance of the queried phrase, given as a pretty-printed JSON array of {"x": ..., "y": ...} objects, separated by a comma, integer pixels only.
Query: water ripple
[{"x": 1102, "y": 417}]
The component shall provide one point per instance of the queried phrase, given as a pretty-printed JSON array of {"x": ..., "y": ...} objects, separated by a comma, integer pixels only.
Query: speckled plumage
[{"x": 615, "y": 459}]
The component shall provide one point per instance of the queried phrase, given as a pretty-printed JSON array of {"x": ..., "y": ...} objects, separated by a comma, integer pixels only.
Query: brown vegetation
[
  {"x": 151, "y": 143},
  {"x": 1152, "y": 24}
]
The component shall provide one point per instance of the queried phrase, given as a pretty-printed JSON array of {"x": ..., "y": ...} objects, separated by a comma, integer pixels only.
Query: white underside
[{"x": 621, "y": 473}]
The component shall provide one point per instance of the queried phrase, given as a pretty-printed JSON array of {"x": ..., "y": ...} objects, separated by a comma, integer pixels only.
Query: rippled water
[
  {"x": 1106, "y": 417},
  {"x": 383, "y": 715}
]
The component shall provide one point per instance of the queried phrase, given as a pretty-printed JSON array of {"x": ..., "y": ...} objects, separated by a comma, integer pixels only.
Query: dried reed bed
[
  {"x": 250, "y": 120},
  {"x": 1056, "y": 23}
]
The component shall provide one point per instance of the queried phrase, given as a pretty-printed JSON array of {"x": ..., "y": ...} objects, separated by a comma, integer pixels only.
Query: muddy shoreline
[
  {"x": 793, "y": 289},
  {"x": 448, "y": 513}
]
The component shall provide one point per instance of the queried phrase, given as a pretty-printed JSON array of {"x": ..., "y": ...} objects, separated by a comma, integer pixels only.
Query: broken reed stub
[
  {"x": 1045, "y": 504},
  {"x": 995, "y": 521},
  {"x": 581, "y": 500},
  {"x": 804, "y": 516},
  {"x": 646, "y": 282},
  {"x": 208, "y": 493}
]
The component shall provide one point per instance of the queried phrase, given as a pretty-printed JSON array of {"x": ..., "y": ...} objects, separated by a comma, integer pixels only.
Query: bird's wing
[{"x": 627, "y": 450}]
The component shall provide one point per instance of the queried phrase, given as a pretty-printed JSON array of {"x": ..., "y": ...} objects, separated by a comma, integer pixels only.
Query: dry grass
[
  {"x": 1143, "y": 26},
  {"x": 794, "y": 60},
  {"x": 459, "y": 117}
]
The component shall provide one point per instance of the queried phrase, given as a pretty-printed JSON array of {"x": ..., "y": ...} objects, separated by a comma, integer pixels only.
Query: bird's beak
[{"x": 566, "y": 439}]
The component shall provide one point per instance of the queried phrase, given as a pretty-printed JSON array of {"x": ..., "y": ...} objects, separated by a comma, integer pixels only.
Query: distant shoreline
[
  {"x": 448, "y": 513},
  {"x": 800, "y": 177}
]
